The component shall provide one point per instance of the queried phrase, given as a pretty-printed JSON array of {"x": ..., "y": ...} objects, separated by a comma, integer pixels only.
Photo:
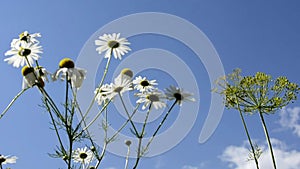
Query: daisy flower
[
  {"x": 103, "y": 93},
  {"x": 143, "y": 85},
  {"x": 42, "y": 72},
  {"x": 29, "y": 77},
  {"x": 178, "y": 94},
  {"x": 23, "y": 52},
  {"x": 33, "y": 76},
  {"x": 155, "y": 97},
  {"x": 67, "y": 69},
  {"x": 112, "y": 44},
  {"x": 121, "y": 84},
  {"x": 83, "y": 155},
  {"x": 26, "y": 37},
  {"x": 7, "y": 159}
]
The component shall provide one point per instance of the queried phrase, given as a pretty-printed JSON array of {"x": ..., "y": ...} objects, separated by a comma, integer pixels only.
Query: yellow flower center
[
  {"x": 127, "y": 71},
  {"x": 67, "y": 63},
  {"x": 24, "y": 52},
  {"x": 26, "y": 70},
  {"x": 113, "y": 44}
]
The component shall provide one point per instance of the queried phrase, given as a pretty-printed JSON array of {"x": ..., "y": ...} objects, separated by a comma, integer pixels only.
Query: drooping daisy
[
  {"x": 175, "y": 93},
  {"x": 155, "y": 98},
  {"x": 112, "y": 44},
  {"x": 29, "y": 77},
  {"x": 83, "y": 155},
  {"x": 23, "y": 53},
  {"x": 103, "y": 94},
  {"x": 7, "y": 159},
  {"x": 67, "y": 69},
  {"x": 34, "y": 76},
  {"x": 143, "y": 85}
]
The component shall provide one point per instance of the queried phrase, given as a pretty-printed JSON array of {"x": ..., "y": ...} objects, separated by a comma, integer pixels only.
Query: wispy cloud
[
  {"x": 189, "y": 167},
  {"x": 290, "y": 118},
  {"x": 236, "y": 156}
]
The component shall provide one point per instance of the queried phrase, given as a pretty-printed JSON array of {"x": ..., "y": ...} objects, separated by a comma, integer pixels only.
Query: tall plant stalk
[{"x": 268, "y": 138}]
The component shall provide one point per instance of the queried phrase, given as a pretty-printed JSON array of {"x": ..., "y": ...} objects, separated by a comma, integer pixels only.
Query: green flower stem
[
  {"x": 125, "y": 123},
  {"x": 129, "y": 117},
  {"x": 51, "y": 102},
  {"x": 100, "y": 84},
  {"x": 160, "y": 124},
  {"x": 98, "y": 114},
  {"x": 140, "y": 137},
  {"x": 54, "y": 124},
  {"x": 12, "y": 101},
  {"x": 138, "y": 154},
  {"x": 66, "y": 99},
  {"x": 82, "y": 121},
  {"x": 105, "y": 140},
  {"x": 248, "y": 136},
  {"x": 127, "y": 158},
  {"x": 268, "y": 138}
]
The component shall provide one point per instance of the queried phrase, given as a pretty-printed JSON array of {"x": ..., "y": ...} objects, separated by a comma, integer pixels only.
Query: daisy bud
[
  {"x": 66, "y": 63},
  {"x": 65, "y": 157},
  {"x": 128, "y": 142},
  {"x": 93, "y": 148},
  {"x": 128, "y": 72}
]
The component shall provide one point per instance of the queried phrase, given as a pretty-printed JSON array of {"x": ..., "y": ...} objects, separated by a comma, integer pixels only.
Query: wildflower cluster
[
  {"x": 73, "y": 132},
  {"x": 257, "y": 94}
]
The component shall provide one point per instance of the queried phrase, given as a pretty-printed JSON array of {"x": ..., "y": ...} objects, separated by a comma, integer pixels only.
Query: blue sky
[{"x": 254, "y": 36}]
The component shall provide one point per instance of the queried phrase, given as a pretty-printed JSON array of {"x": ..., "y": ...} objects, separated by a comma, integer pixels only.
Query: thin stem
[
  {"x": 125, "y": 123},
  {"x": 127, "y": 158},
  {"x": 98, "y": 114},
  {"x": 55, "y": 127},
  {"x": 105, "y": 140},
  {"x": 248, "y": 136},
  {"x": 138, "y": 154},
  {"x": 268, "y": 138},
  {"x": 100, "y": 84},
  {"x": 141, "y": 136},
  {"x": 160, "y": 124},
  {"x": 129, "y": 118},
  {"x": 66, "y": 100},
  {"x": 84, "y": 123},
  {"x": 12, "y": 101}
]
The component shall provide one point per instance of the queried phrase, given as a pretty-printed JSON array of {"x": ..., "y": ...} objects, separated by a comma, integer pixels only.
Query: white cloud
[
  {"x": 290, "y": 118},
  {"x": 236, "y": 156},
  {"x": 189, "y": 167}
]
